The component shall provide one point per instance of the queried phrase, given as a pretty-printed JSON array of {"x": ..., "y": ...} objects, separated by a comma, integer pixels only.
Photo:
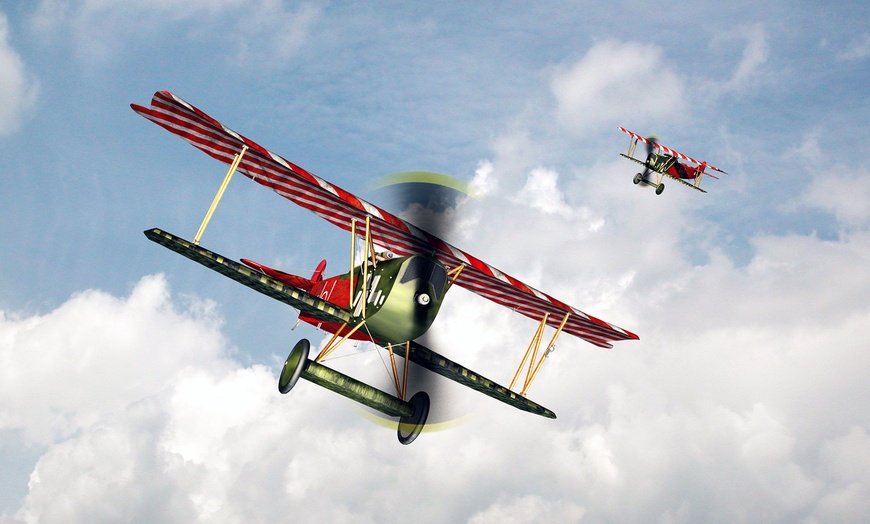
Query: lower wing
[{"x": 304, "y": 302}]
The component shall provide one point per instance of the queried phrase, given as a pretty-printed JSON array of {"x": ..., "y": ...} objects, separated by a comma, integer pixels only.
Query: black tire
[
  {"x": 411, "y": 426},
  {"x": 295, "y": 364},
  {"x": 660, "y": 189},
  {"x": 638, "y": 178}
]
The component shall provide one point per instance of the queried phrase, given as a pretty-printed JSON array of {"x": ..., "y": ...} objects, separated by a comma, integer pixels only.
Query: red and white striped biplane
[
  {"x": 389, "y": 298},
  {"x": 664, "y": 161}
]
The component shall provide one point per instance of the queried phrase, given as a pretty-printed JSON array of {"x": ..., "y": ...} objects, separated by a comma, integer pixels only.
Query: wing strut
[
  {"x": 632, "y": 144},
  {"x": 352, "y": 250},
  {"x": 532, "y": 352},
  {"x": 332, "y": 345},
  {"x": 401, "y": 390},
  {"x": 220, "y": 193},
  {"x": 453, "y": 274}
]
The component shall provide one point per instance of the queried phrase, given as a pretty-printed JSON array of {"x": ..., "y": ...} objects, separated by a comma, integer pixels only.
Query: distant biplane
[
  {"x": 665, "y": 163},
  {"x": 390, "y": 297}
]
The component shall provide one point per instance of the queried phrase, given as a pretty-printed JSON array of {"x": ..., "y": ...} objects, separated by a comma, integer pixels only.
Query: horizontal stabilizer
[{"x": 298, "y": 282}]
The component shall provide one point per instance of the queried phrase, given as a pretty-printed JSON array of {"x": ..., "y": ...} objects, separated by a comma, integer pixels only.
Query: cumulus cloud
[
  {"x": 744, "y": 399},
  {"x": 833, "y": 187},
  {"x": 18, "y": 88},
  {"x": 96, "y": 354},
  {"x": 617, "y": 82},
  {"x": 843, "y": 192},
  {"x": 542, "y": 193},
  {"x": 744, "y": 378},
  {"x": 529, "y": 509}
]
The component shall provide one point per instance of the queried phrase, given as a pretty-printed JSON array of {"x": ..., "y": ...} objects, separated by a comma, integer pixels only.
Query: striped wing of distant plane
[
  {"x": 668, "y": 150},
  {"x": 339, "y": 207}
]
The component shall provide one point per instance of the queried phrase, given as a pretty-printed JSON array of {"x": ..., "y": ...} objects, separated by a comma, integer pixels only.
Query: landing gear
[
  {"x": 638, "y": 178},
  {"x": 412, "y": 425},
  {"x": 660, "y": 188},
  {"x": 295, "y": 364}
]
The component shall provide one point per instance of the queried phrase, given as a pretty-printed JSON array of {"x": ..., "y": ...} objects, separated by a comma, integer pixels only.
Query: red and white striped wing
[
  {"x": 667, "y": 150},
  {"x": 339, "y": 207}
]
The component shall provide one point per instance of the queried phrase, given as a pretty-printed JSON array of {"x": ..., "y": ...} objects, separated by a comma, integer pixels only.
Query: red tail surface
[{"x": 298, "y": 282}]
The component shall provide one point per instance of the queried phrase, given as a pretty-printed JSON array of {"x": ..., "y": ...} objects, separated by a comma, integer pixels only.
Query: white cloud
[
  {"x": 842, "y": 191},
  {"x": 750, "y": 70},
  {"x": 617, "y": 82},
  {"x": 96, "y": 354},
  {"x": 859, "y": 49},
  {"x": 542, "y": 192},
  {"x": 265, "y": 33},
  {"x": 833, "y": 187},
  {"x": 529, "y": 509},
  {"x": 754, "y": 57},
  {"x": 18, "y": 89},
  {"x": 744, "y": 399}
]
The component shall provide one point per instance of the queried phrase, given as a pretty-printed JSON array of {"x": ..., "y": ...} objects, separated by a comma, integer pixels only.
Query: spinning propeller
[
  {"x": 651, "y": 142},
  {"x": 429, "y": 201}
]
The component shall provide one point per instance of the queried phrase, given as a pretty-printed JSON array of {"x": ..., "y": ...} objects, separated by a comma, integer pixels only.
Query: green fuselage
[{"x": 402, "y": 297}]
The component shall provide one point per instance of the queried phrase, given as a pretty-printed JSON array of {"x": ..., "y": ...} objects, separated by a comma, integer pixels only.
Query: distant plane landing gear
[
  {"x": 641, "y": 179},
  {"x": 295, "y": 364},
  {"x": 412, "y": 425}
]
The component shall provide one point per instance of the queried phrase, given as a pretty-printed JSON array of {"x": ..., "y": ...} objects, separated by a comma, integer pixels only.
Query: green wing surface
[
  {"x": 445, "y": 367},
  {"x": 328, "y": 312},
  {"x": 304, "y": 302}
]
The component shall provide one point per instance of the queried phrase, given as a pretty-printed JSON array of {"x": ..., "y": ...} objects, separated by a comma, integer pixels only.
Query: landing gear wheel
[
  {"x": 660, "y": 188},
  {"x": 638, "y": 178},
  {"x": 295, "y": 364},
  {"x": 411, "y": 426}
]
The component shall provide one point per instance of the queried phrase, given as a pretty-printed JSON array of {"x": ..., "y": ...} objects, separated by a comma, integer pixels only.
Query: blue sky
[{"x": 135, "y": 378}]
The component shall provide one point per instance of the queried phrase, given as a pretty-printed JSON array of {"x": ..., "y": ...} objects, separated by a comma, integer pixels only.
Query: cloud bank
[{"x": 744, "y": 399}]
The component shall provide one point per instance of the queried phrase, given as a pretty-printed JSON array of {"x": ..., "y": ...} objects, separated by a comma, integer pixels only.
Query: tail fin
[
  {"x": 292, "y": 280},
  {"x": 318, "y": 273}
]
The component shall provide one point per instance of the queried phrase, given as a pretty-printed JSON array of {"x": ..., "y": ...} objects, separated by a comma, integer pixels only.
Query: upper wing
[
  {"x": 669, "y": 151},
  {"x": 340, "y": 207}
]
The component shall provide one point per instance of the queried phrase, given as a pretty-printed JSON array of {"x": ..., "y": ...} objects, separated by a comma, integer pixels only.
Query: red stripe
[{"x": 304, "y": 189}]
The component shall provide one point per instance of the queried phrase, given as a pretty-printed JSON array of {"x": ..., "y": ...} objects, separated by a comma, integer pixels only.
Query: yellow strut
[
  {"x": 549, "y": 348},
  {"x": 371, "y": 243},
  {"x": 365, "y": 283},
  {"x": 453, "y": 274},
  {"x": 330, "y": 347},
  {"x": 536, "y": 341},
  {"x": 401, "y": 390},
  {"x": 532, "y": 351},
  {"x": 220, "y": 193},
  {"x": 352, "y": 249},
  {"x": 395, "y": 371},
  {"x": 405, "y": 374}
]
